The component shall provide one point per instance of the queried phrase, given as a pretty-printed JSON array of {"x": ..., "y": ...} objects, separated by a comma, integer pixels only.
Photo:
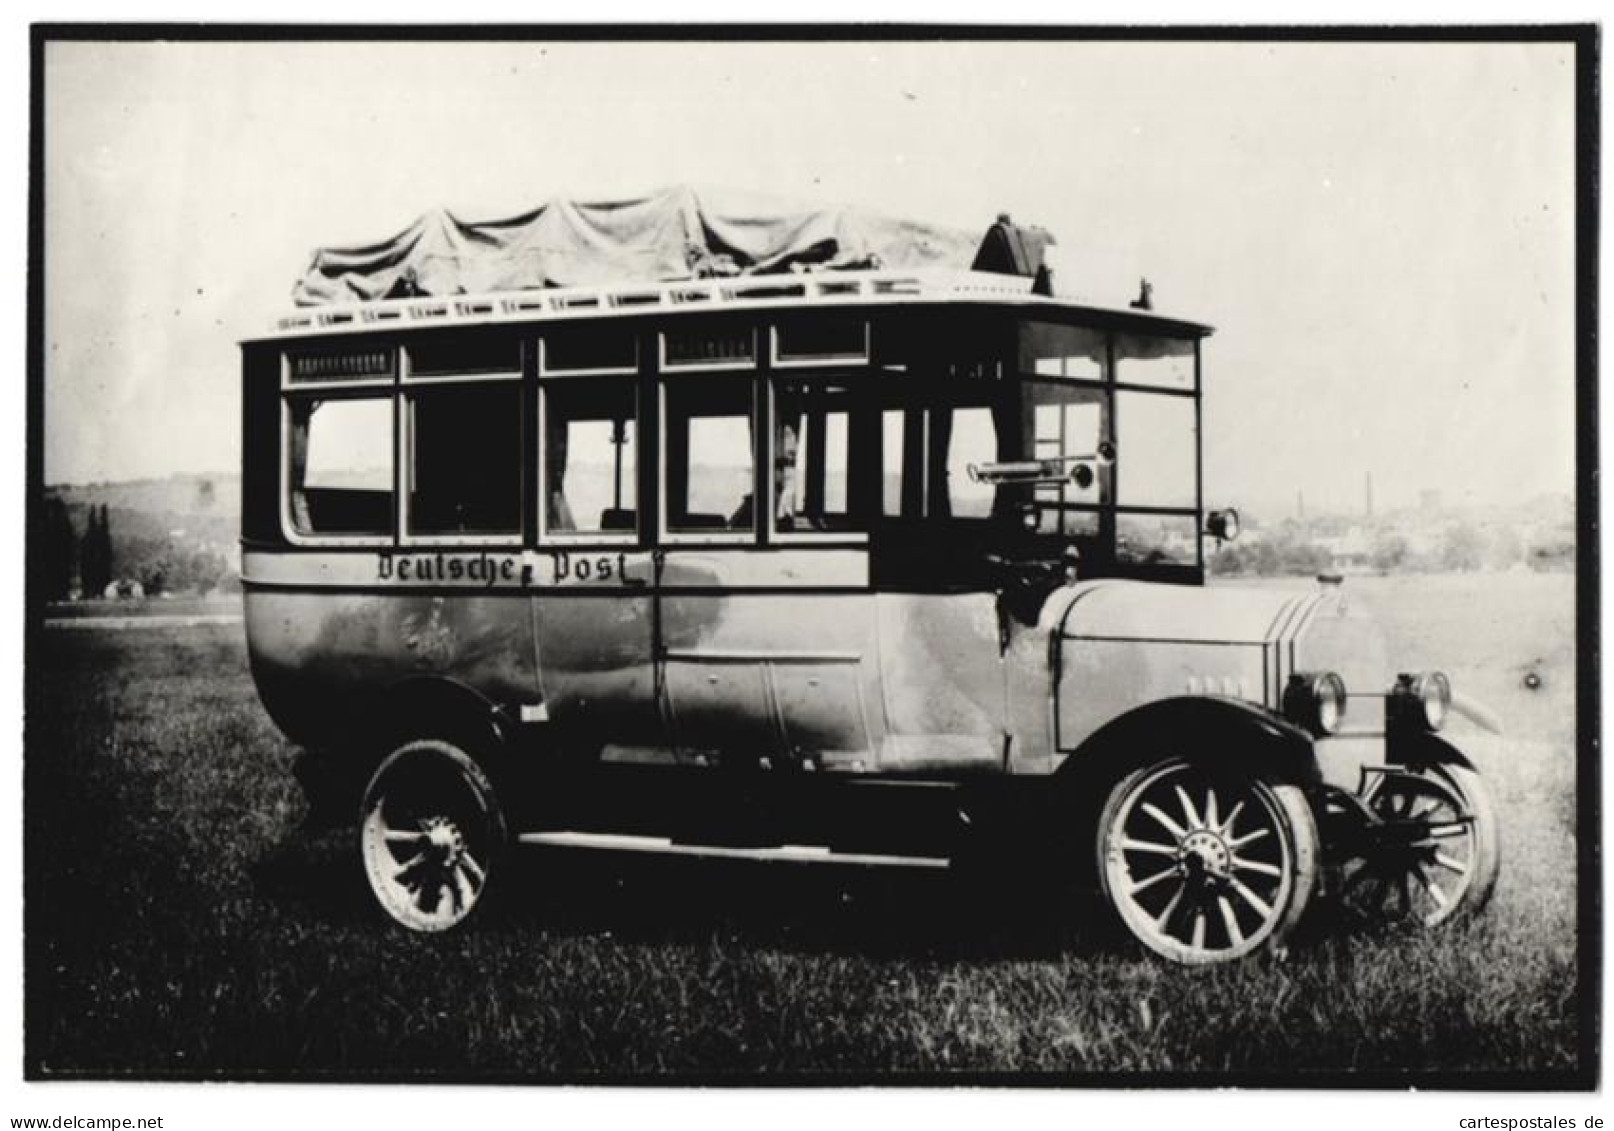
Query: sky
[{"x": 1382, "y": 235}]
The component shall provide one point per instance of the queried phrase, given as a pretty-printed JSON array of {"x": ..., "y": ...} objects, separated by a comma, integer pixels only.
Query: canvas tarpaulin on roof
[{"x": 677, "y": 233}]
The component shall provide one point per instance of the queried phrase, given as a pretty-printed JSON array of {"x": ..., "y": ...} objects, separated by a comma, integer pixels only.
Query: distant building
[{"x": 1350, "y": 552}]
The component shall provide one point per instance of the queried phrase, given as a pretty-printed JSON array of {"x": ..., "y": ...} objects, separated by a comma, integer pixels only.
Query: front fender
[
  {"x": 1421, "y": 748},
  {"x": 1219, "y": 730}
]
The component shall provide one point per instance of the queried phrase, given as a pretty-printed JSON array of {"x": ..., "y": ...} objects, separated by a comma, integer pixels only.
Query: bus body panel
[
  {"x": 595, "y": 664},
  {"x": 777, "y": 676},
  {"x": 943, "y": 679},
  {"x": 321, "y": 658}
]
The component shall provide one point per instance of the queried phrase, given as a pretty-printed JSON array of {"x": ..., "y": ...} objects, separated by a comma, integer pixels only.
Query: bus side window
[
  {"x": 708, "y": 453},
  {"x": 340, "y": 466},
  {"x": 963, "y": 436},
  {"x": 590, "y": 457},
  {"x": 814, "y": 442},
  {"x": 902, "y": 463},
  {"x": 925, "y": 459},
  {"x": 465, "y": 459}
]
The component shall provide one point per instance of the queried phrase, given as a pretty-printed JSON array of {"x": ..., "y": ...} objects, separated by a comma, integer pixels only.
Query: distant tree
[
  {"x": 1285, "y": 551},
  {"x": 1390, "y": 553},
  {"x": 207, "y": 570},
  {"x": 1504, "y": 548},
  {"x": 1462, "y": 549},
  {"x": 59, "y": 550},
  {"x": 154, "y": 575},
  {"x": 1309, "y": 559},
  {"x": 86, "y": 558},
  {"x": 1552, "y": 557},
  {"x": 1229, "y": 561},
  {"x": 109, "y": 553},
  {"x": 95, "y": 553}
]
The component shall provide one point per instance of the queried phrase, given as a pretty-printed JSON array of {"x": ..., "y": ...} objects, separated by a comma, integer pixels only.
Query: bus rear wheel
[
  {"x": 1206, "y": 867},
  {"x": 432, "y": 835}
]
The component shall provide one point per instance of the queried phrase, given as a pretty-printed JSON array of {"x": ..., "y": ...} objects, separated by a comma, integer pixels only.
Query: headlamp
[
  {"x": 1424, "y": 698},
  {"x": 1315, "y": 701}
]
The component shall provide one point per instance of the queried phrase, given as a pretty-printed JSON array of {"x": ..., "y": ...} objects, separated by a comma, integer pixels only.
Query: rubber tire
[
  {"x": 1487, "y": 840},
  {"x": 1305, "y": 852},
  {"x": 493, "y": 837},
  {"x": 1475, "y": 793}
]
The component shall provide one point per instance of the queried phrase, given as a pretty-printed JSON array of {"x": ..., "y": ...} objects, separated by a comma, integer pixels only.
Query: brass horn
[{"x": 1050, "y": 470}]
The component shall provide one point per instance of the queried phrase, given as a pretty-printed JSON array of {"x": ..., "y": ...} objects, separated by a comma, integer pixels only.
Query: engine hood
[
  {"x": 1140, "y": 610},
  {"x": 1311, "y": 629}
]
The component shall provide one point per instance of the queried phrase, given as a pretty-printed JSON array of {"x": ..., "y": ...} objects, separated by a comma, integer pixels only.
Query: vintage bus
[{"x": 853, "y": 567}]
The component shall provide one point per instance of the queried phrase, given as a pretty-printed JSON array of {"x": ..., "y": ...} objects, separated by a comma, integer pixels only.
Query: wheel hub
[
  {"x": 1205, "y": 857},
  {"x": 444, "y": 840}
]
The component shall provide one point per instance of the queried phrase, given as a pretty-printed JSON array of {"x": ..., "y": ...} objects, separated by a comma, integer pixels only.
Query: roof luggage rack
[{"x": 639, "y": 297}]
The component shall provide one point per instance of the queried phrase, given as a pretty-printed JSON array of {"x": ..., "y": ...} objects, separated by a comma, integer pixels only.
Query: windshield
[{"x": 1110, "y": 436}]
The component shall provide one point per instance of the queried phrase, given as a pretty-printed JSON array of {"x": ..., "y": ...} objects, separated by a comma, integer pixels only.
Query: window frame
[
  {"x": 924, "y": 404},
  {"x": 860, "y": 408},
  {"x": 1119, "y": 380},
  {"x": 546, "y": 373},
  {"x": 751, "y": 536},
  {"x": 572, "y": 538},
  {"x": 665, "y": 369},
  {"x": 1110, "y": 508},
  {"x": 1101, "y": 394},
  {"x": 777, "y": 361},
  {"x": 291, "y": 392},
  {"x": 408, "y": 388},
  {"x": 1133, "y": 396}
]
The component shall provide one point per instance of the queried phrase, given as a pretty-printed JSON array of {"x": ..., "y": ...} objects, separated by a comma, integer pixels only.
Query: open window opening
[
  {"x": 590, "y": 459},
  {"x": 464, "y": 464},
  {"x": 340, "y": 466},
  {"x": 709, "y": 469},
  {"x": 818, "y": 454},
  {"x": 926, "y": 456}
]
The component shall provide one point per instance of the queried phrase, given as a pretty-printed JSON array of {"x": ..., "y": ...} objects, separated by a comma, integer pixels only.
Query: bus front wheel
[{"x": 1205, "y": 867}]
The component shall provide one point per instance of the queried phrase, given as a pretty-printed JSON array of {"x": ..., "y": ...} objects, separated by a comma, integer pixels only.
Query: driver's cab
[{"x": 1015, "y": 448}]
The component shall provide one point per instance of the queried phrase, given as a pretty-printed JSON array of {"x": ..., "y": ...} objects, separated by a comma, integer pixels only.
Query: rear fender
[
  {"x": 333, "y": 779},
  {"x": 433, "y": 706}
]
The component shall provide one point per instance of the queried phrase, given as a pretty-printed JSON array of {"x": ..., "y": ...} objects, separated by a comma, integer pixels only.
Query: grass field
[{"x": 180, "y": 924}]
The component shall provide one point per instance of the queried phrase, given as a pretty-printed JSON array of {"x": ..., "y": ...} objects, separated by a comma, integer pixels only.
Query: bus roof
[{"x": 807, "y": 290}]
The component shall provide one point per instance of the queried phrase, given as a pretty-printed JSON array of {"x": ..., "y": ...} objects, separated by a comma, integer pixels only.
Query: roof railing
[{"x": 639, "y": 297}]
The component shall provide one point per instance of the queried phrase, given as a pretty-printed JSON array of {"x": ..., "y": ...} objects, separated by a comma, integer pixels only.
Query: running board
[{"x": 794, "y": 853}]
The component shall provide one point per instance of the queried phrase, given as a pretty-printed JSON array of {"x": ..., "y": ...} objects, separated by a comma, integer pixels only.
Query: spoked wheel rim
[
  {"x": 1203, "y": 869},
  {"x": 430, "y": 835},
  {"x": 1425, "y": 873}
]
